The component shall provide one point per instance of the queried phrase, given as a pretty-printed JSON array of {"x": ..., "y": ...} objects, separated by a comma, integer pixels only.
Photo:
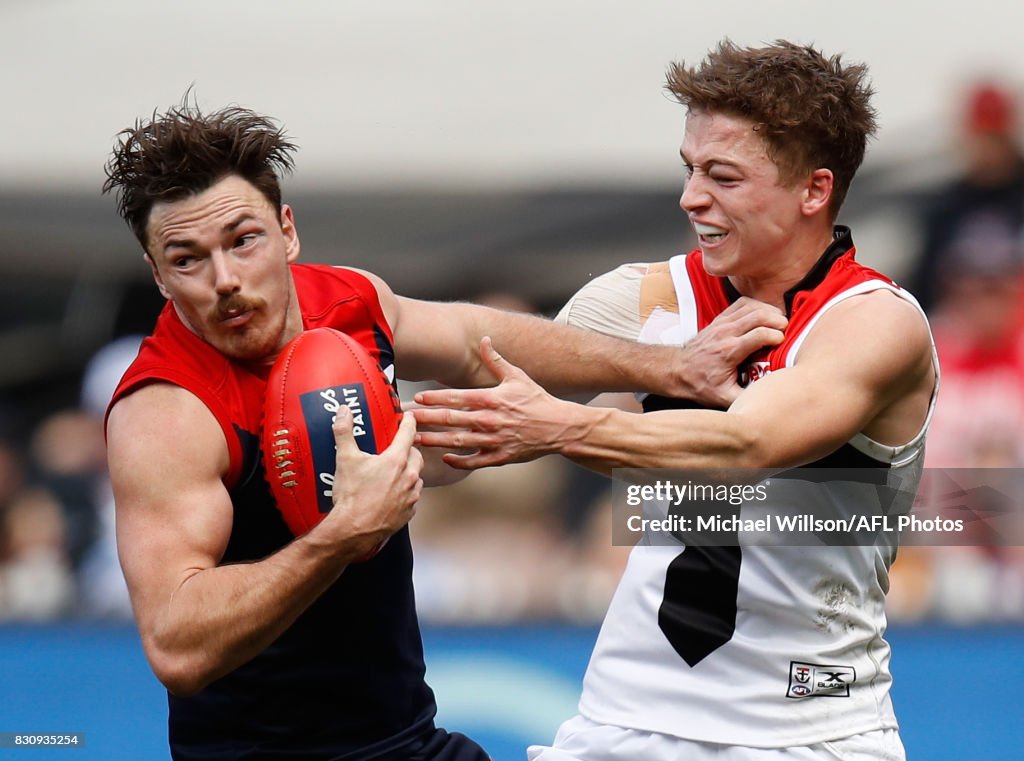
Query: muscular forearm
[
  {"x": 517, "y": 421},
  {"x": 440, "y": 342},
  {"x": 220, "y": 618},
  {"x": 566, "y": 359},
  {"x": 200, "y": 619},
  {"x": 605, "y": 439}
]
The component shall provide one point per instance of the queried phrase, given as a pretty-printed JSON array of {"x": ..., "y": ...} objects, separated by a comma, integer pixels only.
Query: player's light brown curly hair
[
  {"x": 812, "y": 111},
  {"x": 183, "y": 152}
]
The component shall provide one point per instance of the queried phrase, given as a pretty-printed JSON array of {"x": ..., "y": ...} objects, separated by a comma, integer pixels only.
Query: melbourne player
[{"x": 747, "y": 651}]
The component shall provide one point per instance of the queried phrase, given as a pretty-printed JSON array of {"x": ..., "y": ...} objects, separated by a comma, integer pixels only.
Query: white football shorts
[{"x": 580, "y": 739}]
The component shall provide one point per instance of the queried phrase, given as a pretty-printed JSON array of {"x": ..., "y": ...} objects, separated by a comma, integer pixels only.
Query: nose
[
  {"x": 694, "y": 195},
  {"x": 226, "y": 280}
]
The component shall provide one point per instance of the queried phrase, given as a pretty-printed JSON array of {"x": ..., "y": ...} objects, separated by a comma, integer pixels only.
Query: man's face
[
  {"x": 221, "y": 257},
  {"x": 743, "y": 217}
]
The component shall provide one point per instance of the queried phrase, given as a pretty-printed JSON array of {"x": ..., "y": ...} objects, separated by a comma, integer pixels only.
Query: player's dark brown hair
[
  {"x": 183, "y": 152},
  {"x": 812, "y": 111}
]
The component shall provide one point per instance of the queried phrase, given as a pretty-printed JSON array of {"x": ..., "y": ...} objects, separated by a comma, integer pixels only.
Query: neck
[{"x": 800, "y": 254}]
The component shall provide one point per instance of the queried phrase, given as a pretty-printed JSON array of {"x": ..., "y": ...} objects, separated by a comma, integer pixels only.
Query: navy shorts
[
  {"x": 443, "y": 746},
  {"x": 448, "y": 746}
]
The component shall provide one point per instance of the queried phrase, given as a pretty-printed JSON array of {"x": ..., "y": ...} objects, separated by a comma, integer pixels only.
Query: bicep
[
  {"x": 430, "y": 338},
  {"x": 800, "y": 414},
  {"x": 166, "y": 456},
  {"x": 440, "y": 341},
  {"x": 862, "y": 358},
  {"x": 436, "y": 341}
]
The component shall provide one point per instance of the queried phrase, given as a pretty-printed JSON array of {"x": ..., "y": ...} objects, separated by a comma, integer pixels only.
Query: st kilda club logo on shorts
[
  {"x": 319, "y": 409},
  {"x": 815, "y": 679}
]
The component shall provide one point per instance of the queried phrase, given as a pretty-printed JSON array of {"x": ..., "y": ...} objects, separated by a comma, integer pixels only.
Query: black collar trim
[{"x": 842, "y": 241}]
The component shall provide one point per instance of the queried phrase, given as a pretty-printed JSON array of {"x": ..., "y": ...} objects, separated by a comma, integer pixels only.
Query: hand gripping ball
[{"x": 316, "y": 373}]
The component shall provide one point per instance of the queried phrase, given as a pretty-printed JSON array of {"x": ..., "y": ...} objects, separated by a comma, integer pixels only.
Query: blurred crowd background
[
  {"x": 943, "y": 214},
  {"x": 532, "y": 542}
]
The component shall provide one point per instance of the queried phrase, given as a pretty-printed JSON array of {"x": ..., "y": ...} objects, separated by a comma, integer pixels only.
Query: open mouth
[{"x": 709, "y": 234}]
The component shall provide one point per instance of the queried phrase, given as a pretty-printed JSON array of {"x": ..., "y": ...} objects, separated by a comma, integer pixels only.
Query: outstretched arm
[
  {"x": 866, "y": 367},
  {"x": 440, "y": 341}
]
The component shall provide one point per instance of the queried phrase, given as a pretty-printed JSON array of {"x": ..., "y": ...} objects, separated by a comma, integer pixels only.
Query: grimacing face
[
  {"x": 744, "y": 216},
  {"x": 221, "y": 257}
]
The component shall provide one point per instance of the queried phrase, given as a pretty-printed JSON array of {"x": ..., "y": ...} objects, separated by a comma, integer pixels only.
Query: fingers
[
  {"x": 401, "y": 447},
  {"x": 402, "y": 450},
  {"x": 475, "y": 461},
  {"x": 414, "y": 464},
  {"x": 460, "y": 429},
  {"x": 746, "y": 313},
  {"x": 497, "y": 364},
  {"x": 442, "y": 417},
  {"x": 456, "y": 439},
  {"x": 753, "y": 340},
  {"x": 765, "y": 336},
  {"x": 405, "y": 435},
  {"x": 746, "y": 326},
  {"x": 763, "y": 315},
  {"x": 473, "y": 398},
  {"x": 344, "y": 441}
]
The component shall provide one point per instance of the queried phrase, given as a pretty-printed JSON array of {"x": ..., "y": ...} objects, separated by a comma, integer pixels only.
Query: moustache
[{"x": 234, "y": 306}]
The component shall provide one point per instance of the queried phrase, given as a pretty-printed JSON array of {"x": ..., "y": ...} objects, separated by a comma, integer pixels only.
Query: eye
[
  {"x": 724, "y": 178},
  {"x": 183, "y": 262},
  {"x": 245, "y": 240}
]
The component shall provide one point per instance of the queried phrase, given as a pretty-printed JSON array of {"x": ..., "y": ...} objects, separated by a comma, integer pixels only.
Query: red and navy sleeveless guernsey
[{"x": 346, "y": 680}]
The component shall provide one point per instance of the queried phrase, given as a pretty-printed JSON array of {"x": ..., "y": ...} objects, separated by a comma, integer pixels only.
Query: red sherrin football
[{"x": 316, "y": 373}]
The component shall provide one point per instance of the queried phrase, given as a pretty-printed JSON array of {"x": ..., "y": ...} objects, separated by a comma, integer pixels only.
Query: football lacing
[{"x": 281, "y": 461}]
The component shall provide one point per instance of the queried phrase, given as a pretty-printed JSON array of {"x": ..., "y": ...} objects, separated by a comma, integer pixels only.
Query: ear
[
  {"x": 817, "y": 192},
  {"x": 291, "y": 235},
  {"x": 156, "y": 276}
]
